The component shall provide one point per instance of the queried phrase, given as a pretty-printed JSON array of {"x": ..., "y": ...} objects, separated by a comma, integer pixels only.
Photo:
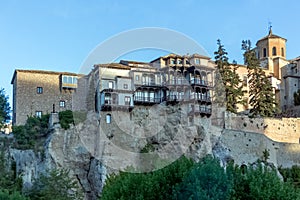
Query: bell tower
[{"x": 271, "y": 52}]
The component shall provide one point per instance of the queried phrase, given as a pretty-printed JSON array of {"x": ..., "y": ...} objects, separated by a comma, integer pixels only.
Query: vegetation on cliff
[{"x": 205, "y": 179}]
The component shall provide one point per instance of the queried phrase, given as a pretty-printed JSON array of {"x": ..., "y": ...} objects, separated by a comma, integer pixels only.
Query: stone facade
[{"x": 38, "y": 92}]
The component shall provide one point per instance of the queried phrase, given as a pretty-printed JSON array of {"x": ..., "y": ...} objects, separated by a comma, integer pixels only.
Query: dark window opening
[
  {"x": 39, "y": 90},
  {"x": 274, "y": 53}
]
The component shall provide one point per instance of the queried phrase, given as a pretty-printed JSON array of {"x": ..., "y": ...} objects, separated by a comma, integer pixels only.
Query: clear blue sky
[{"x": 59, "y": 35}]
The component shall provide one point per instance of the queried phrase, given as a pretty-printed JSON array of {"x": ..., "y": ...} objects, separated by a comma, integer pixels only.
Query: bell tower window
[
  {"x": 265, "y": 52},
  {"x": 282, "y": 52},
  {"x": 274, "y": 51}
]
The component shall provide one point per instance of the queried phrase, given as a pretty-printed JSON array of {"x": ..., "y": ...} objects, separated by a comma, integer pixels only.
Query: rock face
[{"x": 143, "y": 140}]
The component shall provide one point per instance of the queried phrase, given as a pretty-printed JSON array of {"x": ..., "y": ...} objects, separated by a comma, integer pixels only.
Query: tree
[
  {"x": 260, "y": 182},
  {"x": 57, "y": 185},
  {"x": 207, "y": 180},
  {"x": 229, "y": 79},
  {"x": 4, "y": 108},
  {"x": 147, "y": 186},
  {"x": 262, "y": 98}
]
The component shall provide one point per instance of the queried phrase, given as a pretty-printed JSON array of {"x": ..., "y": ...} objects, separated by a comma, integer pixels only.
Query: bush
[
  {"x": 68, "y": 117},
  {"x": 29, "y": 136}
]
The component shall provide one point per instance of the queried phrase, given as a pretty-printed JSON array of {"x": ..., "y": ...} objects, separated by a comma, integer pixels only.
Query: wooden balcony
[{"x": 141, "y": 100}]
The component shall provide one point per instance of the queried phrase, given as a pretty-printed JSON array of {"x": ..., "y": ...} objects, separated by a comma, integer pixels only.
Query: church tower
[{"x": 271, "y": 52}]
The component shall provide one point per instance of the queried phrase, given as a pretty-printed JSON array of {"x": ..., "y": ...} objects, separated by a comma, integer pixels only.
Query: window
[
  {"x": 282, "y": 52},
  {"x": 38, "y": 114},
  {"x": 125, "y": 86},
  {"x": 197, "y": 61},
  {"x": 173, "y": 62},
  {"x": 108, "y": 118},
  {"x": 137, "y": 77},
  {"x": 69, "y": 79},
  {"x": 274, "y": 51},
  {"x": 39, "y": 90},
  {"x": 265, "y": 52},
  {"x": 110, "y": 85},
  {"x": 127, "y": 100},
  {"x": 62, "y": 104},
  {"x": 179, "y": 61}
]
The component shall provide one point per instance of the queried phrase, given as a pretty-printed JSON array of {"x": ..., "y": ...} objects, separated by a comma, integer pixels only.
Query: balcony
[
  {"x": 201, "y": 110},
  {"x": 199, "y": 82},
  {"x": 201, "y": 98},
  {"x": 141, "y": 100}
]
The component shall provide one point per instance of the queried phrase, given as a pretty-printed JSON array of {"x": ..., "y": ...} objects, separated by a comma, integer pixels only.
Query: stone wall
[{"x": 285, "y": 130}]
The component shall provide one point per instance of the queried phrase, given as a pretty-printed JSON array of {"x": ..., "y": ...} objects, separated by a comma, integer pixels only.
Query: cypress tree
[
  {"x": 262, "y": 98},
  {"x": 229, "y": 79}
]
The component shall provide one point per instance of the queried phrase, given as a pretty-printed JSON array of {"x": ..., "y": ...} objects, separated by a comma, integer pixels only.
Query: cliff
[{"x": 142, "y": 141}]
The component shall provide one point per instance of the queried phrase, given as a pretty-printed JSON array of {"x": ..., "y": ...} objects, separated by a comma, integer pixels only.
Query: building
[
  {"x": 290, "y": 85},
  {"x": 170, "y": 79},
  {"x": 37, "y": 92}
]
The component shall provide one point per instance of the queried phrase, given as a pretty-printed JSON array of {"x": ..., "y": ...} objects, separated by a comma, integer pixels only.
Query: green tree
[
  {"x": 207, "y": 180},
  {"x": 57, "y": 185},
  {"x": 262, "y": 98},
  {"x": 4, "y": 108},
  {"x": 229, "y": 78},
  {"x": 261, "y": 183},
  {"x": 147, "y": 186},
  {"x": 6, "y": 195}
]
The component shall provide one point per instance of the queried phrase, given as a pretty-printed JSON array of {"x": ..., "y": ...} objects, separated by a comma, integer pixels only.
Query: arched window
[
  {"x": 274, "y": 51},
  {"x": 108, "y": 118},
  {"x": 282, "y": 52},
  {"x": 265, "y": 52}
]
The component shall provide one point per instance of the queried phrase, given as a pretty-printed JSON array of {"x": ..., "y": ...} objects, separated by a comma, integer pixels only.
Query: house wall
[{"x": 27, "y": 101}]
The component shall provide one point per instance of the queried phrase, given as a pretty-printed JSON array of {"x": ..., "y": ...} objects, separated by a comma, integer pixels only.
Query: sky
[{"x": 59, "y": 35}]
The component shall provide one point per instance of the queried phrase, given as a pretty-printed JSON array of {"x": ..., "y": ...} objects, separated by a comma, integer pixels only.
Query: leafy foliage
[
  {"x": 29, "y": 136},
  {"x": 148, "y": 186},
  {"x": 6, "y": 195},
  {"x": 57, "y": 185},
  {"x": 261, "y": 183},
  {"x": 297, "y": 98},
  {"x": 69, "y": 117},
  {"x": 4, "y": 108},
  {"x": 230, "y": 79},
  {"x": 291, "y": 174},
  {"x": 203, "y": 180},
  {"x": 262, "y": 98},
  {"x": 207, "y": 180}
]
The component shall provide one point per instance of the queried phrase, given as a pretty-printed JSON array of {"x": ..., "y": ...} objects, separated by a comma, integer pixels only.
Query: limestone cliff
[{"x": 143, "y": 140}]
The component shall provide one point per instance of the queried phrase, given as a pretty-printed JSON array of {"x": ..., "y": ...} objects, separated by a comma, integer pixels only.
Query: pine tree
[
  {"x": 230, "y": 81},
  {"x": 4, "y": 108},
  {"x": 262, "y": 98}
]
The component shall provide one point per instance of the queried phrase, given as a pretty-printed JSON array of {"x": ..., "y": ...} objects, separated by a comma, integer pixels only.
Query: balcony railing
[
  {"x": 141, "y": 99},
  {"x": 197, "y": 81}
]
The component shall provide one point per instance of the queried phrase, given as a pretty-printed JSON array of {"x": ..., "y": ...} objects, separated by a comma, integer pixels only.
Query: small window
[
  {"x": 179, "y": 61},
  {"x": 127, "y": 100},
  {"x": 282, "y": 52},
  {"x": 108, "y": 118},
  {"x": 197, "y": 61},
  {"x": 62, "y": 104},
  {"x": 173, "y": 62},
  {"x": 39, "y": 90},
  {"x": 274, "y": 53},
  {"x": 110, "y": 85},
  {"x": 137, "y": 77},
  {"x": 38, "y": 114},
  {"x": 265, "y": 52},
  {"x": 125, "y": 86}
]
